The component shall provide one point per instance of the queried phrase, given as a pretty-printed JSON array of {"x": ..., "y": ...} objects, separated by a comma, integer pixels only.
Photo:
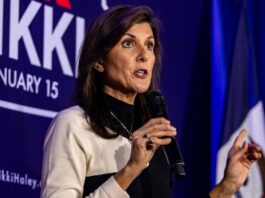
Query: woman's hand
[
  {"x": 145, "y": 141},
  {"x": 238, "y": 164}
]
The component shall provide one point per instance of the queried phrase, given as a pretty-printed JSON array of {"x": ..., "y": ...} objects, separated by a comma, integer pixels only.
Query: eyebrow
[{"x": 131, "y": 35}]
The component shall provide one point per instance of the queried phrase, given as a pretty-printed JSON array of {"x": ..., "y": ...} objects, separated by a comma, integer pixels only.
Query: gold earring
[{"x": 98, "y": 67}]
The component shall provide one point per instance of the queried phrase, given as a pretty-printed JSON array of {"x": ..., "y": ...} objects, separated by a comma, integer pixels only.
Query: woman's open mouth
[{"x": 141, "y": 73}]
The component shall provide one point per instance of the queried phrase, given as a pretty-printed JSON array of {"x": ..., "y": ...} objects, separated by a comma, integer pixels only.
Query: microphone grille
[{"x": 156, "y": 104}]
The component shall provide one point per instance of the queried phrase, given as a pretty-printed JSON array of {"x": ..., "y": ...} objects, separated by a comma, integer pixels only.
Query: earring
[
  {"x": 98, "y": 67},
  {"x": 95, "y": 67}
]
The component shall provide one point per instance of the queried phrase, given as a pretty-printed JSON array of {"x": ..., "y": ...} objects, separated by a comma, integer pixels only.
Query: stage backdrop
[
  {"x": 237, "y": 84},
  {"x": 39, "y": 46}
]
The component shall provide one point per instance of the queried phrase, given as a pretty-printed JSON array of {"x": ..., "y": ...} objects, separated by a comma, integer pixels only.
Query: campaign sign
[{"x": 39, "y": 48}]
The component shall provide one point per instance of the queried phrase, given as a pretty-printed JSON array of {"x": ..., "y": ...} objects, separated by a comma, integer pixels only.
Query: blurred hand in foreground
[{"x": 240, "y": 158}]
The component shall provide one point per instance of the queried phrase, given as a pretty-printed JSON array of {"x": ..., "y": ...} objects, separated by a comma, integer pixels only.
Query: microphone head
[{"x": 156, "y": 104}]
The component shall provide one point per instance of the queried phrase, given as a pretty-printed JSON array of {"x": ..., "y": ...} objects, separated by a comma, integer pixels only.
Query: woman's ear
[{"x": 99, "y": 66}]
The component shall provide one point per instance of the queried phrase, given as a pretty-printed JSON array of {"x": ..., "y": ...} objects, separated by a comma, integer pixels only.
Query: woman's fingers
[
  {"x": 239, "y": 139},
  {"x": 161, "y": 141},
  {"x": 249, "y": 152},
  {"x": 241, "y": 151},
  {"x": 155, "y": 129},
  {"x": 254, "y": 147},
  {"x": 154, "y": 133},
  {"x": 159, "y": 138},
  {"x": 148, "y": 138},
  {"x": 159, "y": 127},
  {"x": 253, "y": 156},
  {"x": 254, "y": 152},
  {"x": 154, "y": 121},
  {"x": 238, "y": 143}
]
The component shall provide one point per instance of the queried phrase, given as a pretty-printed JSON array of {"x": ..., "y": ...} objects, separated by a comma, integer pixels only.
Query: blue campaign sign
[{"x": 39, "y": 48}]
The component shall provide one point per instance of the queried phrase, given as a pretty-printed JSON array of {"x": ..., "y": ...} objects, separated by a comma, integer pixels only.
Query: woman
[{"x": 108, "y": 146}]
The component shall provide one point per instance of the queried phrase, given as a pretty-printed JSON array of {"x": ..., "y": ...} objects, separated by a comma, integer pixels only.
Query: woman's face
[{"x": 129, "y": 64}]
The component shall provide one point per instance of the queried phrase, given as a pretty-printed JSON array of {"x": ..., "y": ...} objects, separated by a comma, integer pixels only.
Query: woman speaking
[{"x": 108, "y": 145}]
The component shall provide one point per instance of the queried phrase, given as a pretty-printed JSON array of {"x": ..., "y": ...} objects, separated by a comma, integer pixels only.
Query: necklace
[{"x": 123, "y": 126}]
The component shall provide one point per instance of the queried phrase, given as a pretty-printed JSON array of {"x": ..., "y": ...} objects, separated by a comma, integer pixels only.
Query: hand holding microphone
[{"x": 157, "y": 108}]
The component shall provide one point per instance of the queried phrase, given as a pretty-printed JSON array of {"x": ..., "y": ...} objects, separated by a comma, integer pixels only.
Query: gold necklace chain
[{"x": 123, "y": 126}]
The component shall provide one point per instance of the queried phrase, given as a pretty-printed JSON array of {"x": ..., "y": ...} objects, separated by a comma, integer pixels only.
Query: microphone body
[{"x": 158, "y": 108}]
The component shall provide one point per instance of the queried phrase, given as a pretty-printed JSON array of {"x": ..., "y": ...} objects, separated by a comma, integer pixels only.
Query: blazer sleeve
[{"x": 65, "y": 163}]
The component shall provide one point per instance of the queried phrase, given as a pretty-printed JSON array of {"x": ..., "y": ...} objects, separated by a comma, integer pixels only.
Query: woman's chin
[{"x": 142, "y": 89}]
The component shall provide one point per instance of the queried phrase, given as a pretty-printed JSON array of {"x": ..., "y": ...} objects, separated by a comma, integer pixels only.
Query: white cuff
[{"x": 113, "y": 189}]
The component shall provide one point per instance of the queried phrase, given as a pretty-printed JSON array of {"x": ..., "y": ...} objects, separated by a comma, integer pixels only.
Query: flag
[{"x": 241, "y": 105}]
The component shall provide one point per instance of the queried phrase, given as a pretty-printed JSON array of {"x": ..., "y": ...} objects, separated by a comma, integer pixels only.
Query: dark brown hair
[{"x": 103, "y": 34}]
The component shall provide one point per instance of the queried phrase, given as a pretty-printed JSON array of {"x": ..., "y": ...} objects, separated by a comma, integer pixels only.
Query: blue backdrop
[{"x": 39, "y": 45}]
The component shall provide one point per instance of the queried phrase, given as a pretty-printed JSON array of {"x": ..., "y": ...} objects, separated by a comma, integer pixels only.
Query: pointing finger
[{"x": 239, "y": 139}]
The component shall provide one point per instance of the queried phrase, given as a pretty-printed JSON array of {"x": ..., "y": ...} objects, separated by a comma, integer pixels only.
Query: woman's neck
[
  {"x": 128, "y": 97},
  {"x": 121, "y": 115}
]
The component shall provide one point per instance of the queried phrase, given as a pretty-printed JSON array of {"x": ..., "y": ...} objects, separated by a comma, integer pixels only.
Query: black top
[
  {"x": 121, "y": 110},
  {"x": 154, "y": 181}
]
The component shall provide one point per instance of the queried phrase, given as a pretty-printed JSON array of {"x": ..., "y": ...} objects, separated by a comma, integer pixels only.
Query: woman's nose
[{"x": 142, "y": 55}]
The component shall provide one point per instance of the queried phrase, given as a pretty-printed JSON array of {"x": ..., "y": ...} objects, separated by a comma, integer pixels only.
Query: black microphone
[{"x": 158, "y": 108}]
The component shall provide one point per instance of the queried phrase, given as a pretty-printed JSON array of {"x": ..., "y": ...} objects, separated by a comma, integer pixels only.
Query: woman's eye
[
  {"x": 127, "y": 44},
  {"x": 150, "y": 46}
]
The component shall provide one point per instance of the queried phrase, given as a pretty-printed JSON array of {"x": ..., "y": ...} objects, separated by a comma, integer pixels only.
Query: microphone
[{"x": 158, "y": 108}]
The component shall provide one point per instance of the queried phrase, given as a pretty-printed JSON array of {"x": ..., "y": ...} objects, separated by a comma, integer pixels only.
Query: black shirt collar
[{"x": 123, "y": 111}]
